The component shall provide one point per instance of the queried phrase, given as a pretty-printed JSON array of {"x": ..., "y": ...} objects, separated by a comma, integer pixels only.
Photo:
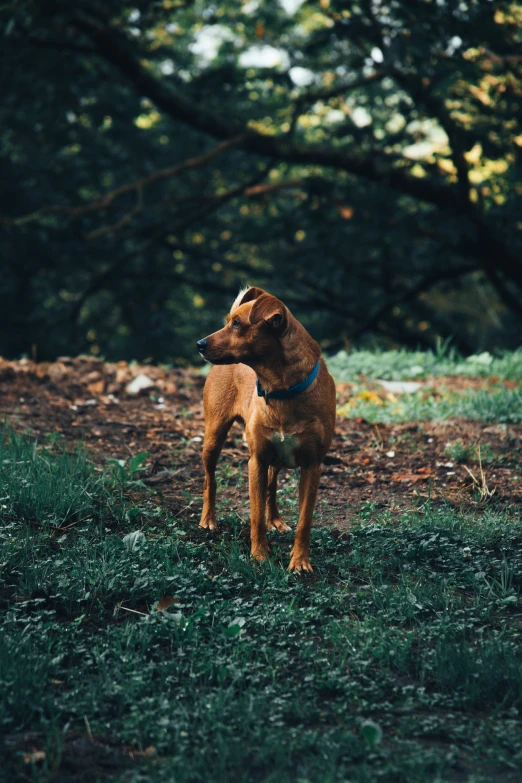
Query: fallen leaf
[
  {"x": 406, "y": 477},
  {"x": 341, "y": 535},
  {"x": 97, "y": 387},
  {"x": 369, "y": 396},
  {"x": 165, "y": 602}
]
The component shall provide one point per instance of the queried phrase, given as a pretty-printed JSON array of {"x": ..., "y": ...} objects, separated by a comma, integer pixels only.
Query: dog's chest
[{"x": 285, "y": 447}]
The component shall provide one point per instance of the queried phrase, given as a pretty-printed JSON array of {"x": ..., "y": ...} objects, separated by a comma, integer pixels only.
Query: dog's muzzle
[{"x": 202, "y": 344}]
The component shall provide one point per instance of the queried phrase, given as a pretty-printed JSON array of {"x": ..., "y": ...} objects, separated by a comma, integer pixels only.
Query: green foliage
[
  {"x": 361, "y": 161},
  {"x": 399, "y": 660},
  {"x": 402, "y": 364},
  {"x": 498, "y": 405},
  {"x": 126, "y": 471}
]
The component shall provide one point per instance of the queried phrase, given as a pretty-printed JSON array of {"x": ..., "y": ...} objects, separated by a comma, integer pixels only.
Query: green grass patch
[
  {"x": 398, "y": 660},
  {"x": 45, "y": 484},
  {"x": 411, "y": 365},
  {"x": 499, "y": 405}
]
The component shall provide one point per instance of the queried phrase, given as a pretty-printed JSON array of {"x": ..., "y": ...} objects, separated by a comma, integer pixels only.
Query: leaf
[
  {"x": 136, "y": 462},
  {"x": 371, "y": 732},
  {"x": 235, "y": 627},
  {"x": 369, "y": 396},
  {"x": 166, "y": 601},
  {"x": 134, "y": 540},
  {"x": 97, "y": 387},
  {"x": 118, "y": 467},
  {"x": 340, "y": 535},
  {"x": 132, "y": 513},
  {"x": 410, "y": 477}
]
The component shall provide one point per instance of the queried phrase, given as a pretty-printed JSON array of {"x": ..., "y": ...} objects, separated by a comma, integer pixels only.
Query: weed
[
  {"x": 479, "y": 482},
  {"x": 469, "y": 452},
  {"x": 126, "y": 471}
]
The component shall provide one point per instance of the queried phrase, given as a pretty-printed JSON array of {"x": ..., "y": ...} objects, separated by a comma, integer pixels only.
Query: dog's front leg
[
  {"x": 215, "y": 435},
  {"x": 308, "y": 486},
  {"x": 257, "y": 484}
]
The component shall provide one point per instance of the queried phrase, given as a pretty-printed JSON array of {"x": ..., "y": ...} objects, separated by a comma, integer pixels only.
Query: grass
[
  {"x": 412, "y": 365},
  {"x": 399, "y": 660},
  {"x": 469, "y": 452},
  {"x": 499, "y": 405},
  {"x": 45, "y": 485}
]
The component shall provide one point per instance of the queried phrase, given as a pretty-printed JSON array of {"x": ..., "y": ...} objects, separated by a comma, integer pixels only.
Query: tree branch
[
  {"x": 435, "y": 106},
  {"x": 104, "y": 201},
  {"x": 114, "y": 47},
  {"x": 312, "y": 96},
  {"x": 425, "y": 283},
  {"x": 60, "y": 46}
]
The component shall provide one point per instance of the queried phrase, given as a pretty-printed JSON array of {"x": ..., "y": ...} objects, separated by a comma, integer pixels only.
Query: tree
[{"x": 363, "y": 160}]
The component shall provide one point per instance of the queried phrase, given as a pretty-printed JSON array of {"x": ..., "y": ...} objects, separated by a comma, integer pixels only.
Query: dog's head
[{"x": 252, "y": 330}]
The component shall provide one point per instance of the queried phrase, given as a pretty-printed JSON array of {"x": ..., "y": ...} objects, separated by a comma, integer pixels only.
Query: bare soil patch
[{"x": 393, "y": 466}]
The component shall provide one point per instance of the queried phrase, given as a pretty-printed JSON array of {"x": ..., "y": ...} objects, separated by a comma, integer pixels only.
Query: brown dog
[{"x": 289, "y": 412}]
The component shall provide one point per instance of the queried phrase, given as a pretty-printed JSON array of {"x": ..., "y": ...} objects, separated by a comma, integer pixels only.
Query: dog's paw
[
  {"x": 260, "y": 553},
  {"x": 300, "y": 561},
  {"x": 277, "y": 524},
  {"x": 208, "y": 523}
]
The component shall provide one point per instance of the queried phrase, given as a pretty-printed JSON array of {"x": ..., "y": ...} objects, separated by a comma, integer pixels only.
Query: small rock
[
  {"x": 139, "y": 383},
  {"x": 57, "y": 372},
  {"x": 400, "y": 387},
  {"x": 123, "y": 375}
]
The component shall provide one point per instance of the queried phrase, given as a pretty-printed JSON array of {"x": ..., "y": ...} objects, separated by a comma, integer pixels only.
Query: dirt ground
[{"x": 392, "y": 466}]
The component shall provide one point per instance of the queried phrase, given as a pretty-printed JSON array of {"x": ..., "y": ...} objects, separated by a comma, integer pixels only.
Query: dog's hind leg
[
  {"x": 273, "y": 517},
  {"x": 308, "y": 486},
  {"x": 215, "y": 434}
]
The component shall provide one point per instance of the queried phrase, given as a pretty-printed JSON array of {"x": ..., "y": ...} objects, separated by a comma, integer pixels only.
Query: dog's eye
[{"x": 236, "y": 323}]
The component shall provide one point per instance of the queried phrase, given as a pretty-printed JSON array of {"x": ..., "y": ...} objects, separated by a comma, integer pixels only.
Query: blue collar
[{"x": 293, "y": 391}]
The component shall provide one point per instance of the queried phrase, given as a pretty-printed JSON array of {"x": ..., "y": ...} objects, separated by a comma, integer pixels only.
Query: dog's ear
[
  {"x": 246, "y": 296},
  {"x": 269, "y": 309},
  {"x": 249, "y": 295}
]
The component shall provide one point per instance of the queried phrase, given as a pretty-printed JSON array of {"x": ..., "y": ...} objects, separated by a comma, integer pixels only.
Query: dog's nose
[{"x": 202, "y": 344}]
